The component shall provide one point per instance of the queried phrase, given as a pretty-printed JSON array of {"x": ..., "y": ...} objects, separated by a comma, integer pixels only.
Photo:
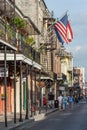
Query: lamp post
[{"x": 72, "y": 71}]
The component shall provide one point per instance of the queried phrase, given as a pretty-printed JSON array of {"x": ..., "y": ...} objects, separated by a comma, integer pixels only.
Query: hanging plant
[
  {"x": 30, "y": 41},
  {"x": 30, "y": 56},
  {"x": 19, "y": 23}
]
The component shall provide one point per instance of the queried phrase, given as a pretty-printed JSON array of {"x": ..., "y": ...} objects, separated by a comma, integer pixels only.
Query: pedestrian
[
  {"x": 44, "y": 101},
  {"x": 64, "y": 101},
  {"x": 76, "y": 99},
  {"x": 71, "y": 101},
  {"x": 60, "y": 97}
]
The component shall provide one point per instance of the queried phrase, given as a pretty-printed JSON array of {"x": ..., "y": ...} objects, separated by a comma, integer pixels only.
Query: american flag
[{"x": 63, "y": 29}]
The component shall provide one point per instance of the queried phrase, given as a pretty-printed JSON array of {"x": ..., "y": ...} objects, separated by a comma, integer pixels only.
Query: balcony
[
  {"x": 70, "y": 69},
  {"x": 53, "y": 75},
  {"x": 29, "y": 52},
  {"x": 61, "y": 76},
  {"x": 8, "y": 10},
  {"x": 61, "y": 52},
  {"x": 7, "y": 35}
]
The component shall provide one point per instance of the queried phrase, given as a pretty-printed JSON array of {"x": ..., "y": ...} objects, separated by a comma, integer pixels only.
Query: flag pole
[
  {"x": 63, "y": 15},
  {"x": 51, "y": 27},
  {"x": 57, "y": 20}
]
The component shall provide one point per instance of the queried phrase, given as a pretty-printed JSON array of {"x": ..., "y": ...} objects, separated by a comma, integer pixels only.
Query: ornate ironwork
[
  {"x": 8, "y": 35},
  {"x": 29, "y": 52}
]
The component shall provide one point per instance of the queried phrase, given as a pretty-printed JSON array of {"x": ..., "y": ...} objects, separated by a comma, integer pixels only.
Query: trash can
[{"x": 56, "y": 103}]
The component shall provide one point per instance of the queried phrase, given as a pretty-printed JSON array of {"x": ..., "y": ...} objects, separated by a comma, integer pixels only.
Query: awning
[
  {"x": 9, "y": 46},
  {"x": 47, "y": 78},
  {"x": 10, "y": 57}
]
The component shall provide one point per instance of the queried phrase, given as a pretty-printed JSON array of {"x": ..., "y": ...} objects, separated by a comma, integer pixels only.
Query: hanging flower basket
[{"x": 19, "y": 23}]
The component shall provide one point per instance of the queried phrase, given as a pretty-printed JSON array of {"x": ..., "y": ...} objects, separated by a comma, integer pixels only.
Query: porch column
[
  {"x": 5, "y": 85},
  {"x": 40, "y": 100},
  {"x": 35, "y": 98},
  {"x": 31, "y": 91},
  {"x": 27, "y": 97},
  {"x": 14, "y": 86},
  {"x": 20, "y": 91}
]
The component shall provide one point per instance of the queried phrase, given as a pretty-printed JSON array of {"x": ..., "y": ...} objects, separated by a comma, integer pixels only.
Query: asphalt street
[{"x": 71, "y": 119}]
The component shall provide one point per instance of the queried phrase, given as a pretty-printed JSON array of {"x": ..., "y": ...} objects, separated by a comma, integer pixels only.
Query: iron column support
[
  {"x": 40, "y": 100},
  {"x": 15, "y": 87},
  {"x": 20, "y": 91},
  {"x": 35, "y": 95},
  {"x": 27, "y": 97},
  {"x": 5, "y": 86},
  {"x": 31, "y": 92}
]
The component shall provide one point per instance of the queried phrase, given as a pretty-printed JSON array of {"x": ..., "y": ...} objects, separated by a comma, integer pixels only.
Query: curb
[
  {"x": 20, "y": 124},
  {"x": 35, "y": 118},
  {"x": 49, "y": 112},
  {"x": 42, "y": 115}
]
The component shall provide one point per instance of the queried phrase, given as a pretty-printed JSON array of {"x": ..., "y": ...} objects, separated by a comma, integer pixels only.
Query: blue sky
[{"x": 77, "y": 14}]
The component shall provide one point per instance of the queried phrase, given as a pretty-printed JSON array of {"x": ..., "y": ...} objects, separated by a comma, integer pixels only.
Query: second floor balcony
[
  {"x": 9, "y": 35},
  {"x": 29, "y": 52}
]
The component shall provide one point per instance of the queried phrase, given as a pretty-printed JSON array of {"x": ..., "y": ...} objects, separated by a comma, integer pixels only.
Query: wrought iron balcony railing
[
  {"x": 9, "y": 35},
  {"x": 29, "y": 52}
]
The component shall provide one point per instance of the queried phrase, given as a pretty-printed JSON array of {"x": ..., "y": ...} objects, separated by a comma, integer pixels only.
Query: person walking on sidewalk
[
  {"x": 64, "y": 100},
  {"x": 44, "y": 102},
  {"x": 60, "y": 102},
  {"x": 71, "y": 101}
]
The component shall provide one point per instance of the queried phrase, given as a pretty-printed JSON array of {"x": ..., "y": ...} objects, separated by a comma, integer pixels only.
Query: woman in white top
[{"x": 60, "y": 102}]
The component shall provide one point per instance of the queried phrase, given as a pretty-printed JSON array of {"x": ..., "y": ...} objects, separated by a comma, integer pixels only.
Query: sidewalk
[{"x": 10, "y": 119}]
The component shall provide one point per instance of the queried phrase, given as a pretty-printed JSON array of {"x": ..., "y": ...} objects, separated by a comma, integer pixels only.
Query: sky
[{"x": 77, "y": 15}]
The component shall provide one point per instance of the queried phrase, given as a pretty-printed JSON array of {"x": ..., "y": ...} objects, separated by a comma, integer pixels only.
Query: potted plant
[
  {"x": 30, "y": 41},
  {"x": 30, "y": 56},
  {"x": 19, "y": 23}
]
